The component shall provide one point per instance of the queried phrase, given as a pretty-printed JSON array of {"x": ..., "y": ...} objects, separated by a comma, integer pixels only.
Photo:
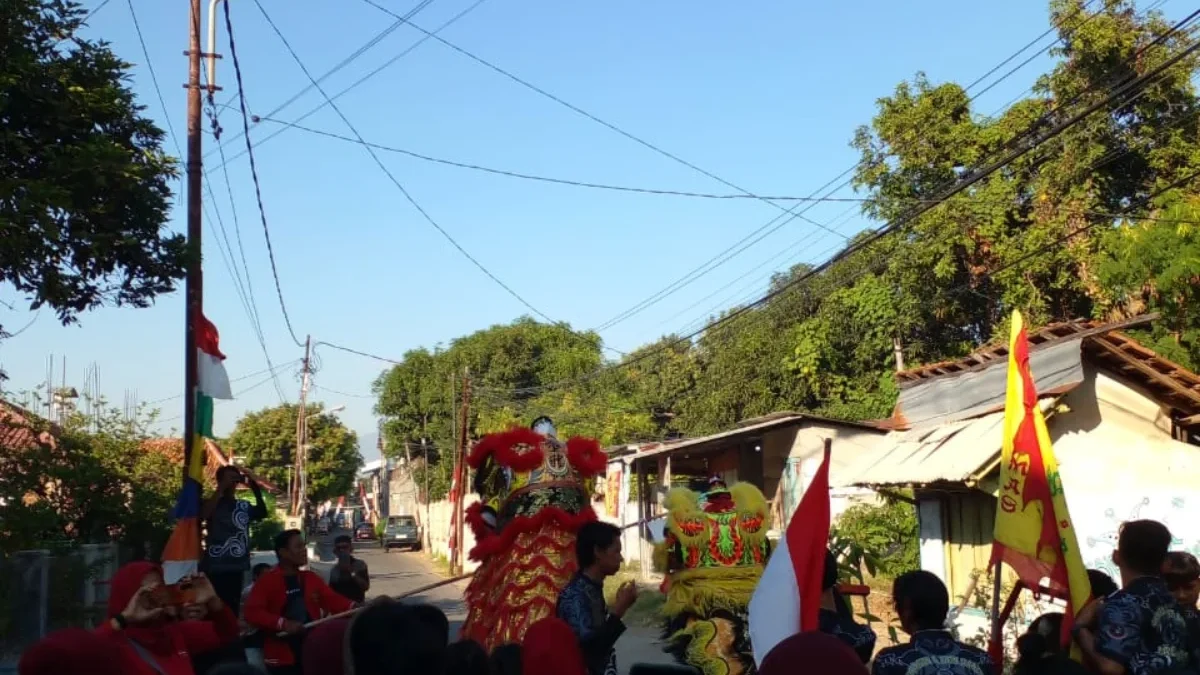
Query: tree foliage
[
  {"x": 85, "y": 190},
  {"x": 95, "y": 483},
  {"x": 1042, "y": 235},
  {"x": 267, "y": 439}
]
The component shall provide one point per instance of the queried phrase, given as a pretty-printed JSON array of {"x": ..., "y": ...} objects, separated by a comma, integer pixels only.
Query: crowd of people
[{"x": 292, "y": 622}]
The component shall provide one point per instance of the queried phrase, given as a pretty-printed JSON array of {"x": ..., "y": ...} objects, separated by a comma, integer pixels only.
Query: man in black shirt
[
  {"x": 227, "y": 542},
  {"x": 350, "y": 578},
  {"x": 836, "y": 617}
]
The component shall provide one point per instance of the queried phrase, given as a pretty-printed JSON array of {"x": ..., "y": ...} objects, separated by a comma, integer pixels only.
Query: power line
[
  {"x": 550, "y": 179},
  {"x": 236, "y": 394},
  {"x": 262, "y": 213},
  {"x": 341, "y": 393},
  {"x": 343, "y": 63},
  {"x": 231, "y": 265},
  {"x": 971, "y": 179},
  {"x": 366, "y": 77},
  {"x": 411, "y": 200},
  {"x": 780, "y": 221},
  {"x": 273, "y": 370},
  {"x": 594, "y": 118}
]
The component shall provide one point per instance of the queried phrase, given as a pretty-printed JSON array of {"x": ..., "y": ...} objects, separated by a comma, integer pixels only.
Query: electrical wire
[
  {"x": 230, "y": 265},
  {"x": 550, "y": 179},
  {"x": 273, "y": 370},
  {"x": 364, "y": 78},
  {"x": 408, "y": 196},
  {"x": 609, "y": 125},
  {"x": 779, "y": 222},
  {"x": 262, "y": 213},
  {"x": 353, "y": 56},
  {"x": 877, "y": 234},
  {"x": 22, "y": 329}
]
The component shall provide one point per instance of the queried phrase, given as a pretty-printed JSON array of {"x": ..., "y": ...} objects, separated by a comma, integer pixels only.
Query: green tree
[
  {"x": 94, "y": 483},
  {"x": 267, "y": 439},
  {"x": 85, "y": 195}
]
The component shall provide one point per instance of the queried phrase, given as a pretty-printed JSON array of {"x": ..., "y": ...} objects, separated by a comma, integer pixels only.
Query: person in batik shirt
[
  {"x": 1139, "y": 630},
  {"x": 1182, "y": 574},
  {"x": 837, "y": 619},
  {"x": 922, "y": 603}
]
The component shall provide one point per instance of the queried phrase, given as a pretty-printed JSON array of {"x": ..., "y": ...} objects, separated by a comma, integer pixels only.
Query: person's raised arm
[{"x": 259, "y": 510}]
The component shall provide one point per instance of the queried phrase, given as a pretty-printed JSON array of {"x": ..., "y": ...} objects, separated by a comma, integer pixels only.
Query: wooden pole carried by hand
[{"x": 398, "y": 596}]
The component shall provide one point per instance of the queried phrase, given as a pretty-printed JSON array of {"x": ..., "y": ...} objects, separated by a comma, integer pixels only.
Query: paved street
[{"x": 400, "y": 571}]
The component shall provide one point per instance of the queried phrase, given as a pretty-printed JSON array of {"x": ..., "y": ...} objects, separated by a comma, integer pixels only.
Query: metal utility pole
[
  {"x": 194, "y": 284},
  {"x": 301, "y": 482},
  {"x": 461, "y": 475}
]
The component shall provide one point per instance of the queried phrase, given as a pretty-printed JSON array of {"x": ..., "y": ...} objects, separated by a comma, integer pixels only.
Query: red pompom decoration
[
  {"x": 503, "y": 448},
  {"x": 586, "y": 456}
]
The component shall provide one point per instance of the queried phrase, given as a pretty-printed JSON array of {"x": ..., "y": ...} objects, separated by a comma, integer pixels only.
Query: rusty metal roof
[{"x": 1171, "y": 383}]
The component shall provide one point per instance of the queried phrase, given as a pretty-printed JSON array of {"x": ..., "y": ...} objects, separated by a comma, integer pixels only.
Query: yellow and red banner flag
[{"x": 1033, "y": 532}]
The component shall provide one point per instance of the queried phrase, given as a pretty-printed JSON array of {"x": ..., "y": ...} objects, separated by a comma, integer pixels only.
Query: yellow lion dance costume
[{"x": 713, "y": 555}]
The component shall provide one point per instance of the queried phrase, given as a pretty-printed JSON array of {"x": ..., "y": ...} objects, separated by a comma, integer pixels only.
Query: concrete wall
[
  {"x": 1118, "y": 462},
  {"x": 792, "y": 455}
]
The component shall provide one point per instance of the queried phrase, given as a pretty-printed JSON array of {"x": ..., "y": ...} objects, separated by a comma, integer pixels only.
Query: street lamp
[{"x": 335, "y": 409}]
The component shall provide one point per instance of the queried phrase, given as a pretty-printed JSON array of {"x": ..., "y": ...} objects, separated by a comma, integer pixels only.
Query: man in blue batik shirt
[
  {"x": 837, "y": 620},
  {"x": 1139, "y": 630},
  {"x": 922, "y": 602},
  {"x": 581, "y": 603}
]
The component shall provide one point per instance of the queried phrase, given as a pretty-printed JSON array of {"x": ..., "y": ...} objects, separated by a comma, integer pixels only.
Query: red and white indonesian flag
[
  {"x": 212, "y": 380},
  {"x": 787, "y": 599}
]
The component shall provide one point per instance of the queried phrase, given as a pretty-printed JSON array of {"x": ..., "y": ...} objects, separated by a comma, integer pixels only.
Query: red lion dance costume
[{"x": 535, "y": 493}]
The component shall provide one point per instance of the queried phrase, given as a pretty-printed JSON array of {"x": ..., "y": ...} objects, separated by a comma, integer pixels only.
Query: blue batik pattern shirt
[
  {"x": 1143, "y": 628},
  {"x": 932, "y": 652},
  {"x": 858, "y": 637}
]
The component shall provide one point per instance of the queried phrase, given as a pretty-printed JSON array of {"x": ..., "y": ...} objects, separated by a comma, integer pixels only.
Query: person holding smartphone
[
  {"x": 350, "y": 578},
  {"x": 227, "y": 541}
]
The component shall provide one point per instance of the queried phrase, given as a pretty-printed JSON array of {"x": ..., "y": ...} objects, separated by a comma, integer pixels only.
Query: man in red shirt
[{"x": 284, "y": 599}]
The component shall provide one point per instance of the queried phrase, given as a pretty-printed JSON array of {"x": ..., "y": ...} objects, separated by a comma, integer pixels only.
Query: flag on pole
[
  {"x": 1033, "y": 532},
  {"x": 787, "y": 599},
  {"x": 211, "y": 377},
  {"x": 181, "y": 556}
]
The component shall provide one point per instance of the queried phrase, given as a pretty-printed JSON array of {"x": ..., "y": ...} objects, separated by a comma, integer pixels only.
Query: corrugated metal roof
[
  {"x": 970, "y": 393},
  {"x": 955, "y": 452},
  {"x": 694, "y": 443},
  {"x": 746, "y": 429}
]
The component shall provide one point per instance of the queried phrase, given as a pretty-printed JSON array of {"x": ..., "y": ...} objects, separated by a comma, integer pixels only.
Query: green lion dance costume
[{"x": 713, "y": 555}]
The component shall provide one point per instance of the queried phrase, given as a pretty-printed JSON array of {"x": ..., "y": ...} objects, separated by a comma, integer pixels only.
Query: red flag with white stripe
[{"x": 787, "y": 599}]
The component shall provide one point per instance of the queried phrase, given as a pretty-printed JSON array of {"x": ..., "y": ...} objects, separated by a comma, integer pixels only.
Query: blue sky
[{"x": 766, "y": 96}]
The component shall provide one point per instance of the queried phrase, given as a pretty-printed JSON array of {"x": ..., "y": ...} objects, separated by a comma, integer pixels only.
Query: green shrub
[{"x": 887, "y": 535}]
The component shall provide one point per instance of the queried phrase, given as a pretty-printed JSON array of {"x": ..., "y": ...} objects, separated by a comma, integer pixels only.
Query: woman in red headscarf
[
  {"x": 151, "y": 640},
  {"x": 551, "y": 648}
]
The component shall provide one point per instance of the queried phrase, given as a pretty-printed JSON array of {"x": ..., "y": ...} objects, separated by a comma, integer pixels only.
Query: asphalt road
[{"x": 397, "y": 572}]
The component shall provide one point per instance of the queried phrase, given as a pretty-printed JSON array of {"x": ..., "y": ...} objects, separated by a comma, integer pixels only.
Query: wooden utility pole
[
  {"x": 300, "y": 493},
  {"x": 461, "y": 474},
  {"x": 194, "y": 283}
]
